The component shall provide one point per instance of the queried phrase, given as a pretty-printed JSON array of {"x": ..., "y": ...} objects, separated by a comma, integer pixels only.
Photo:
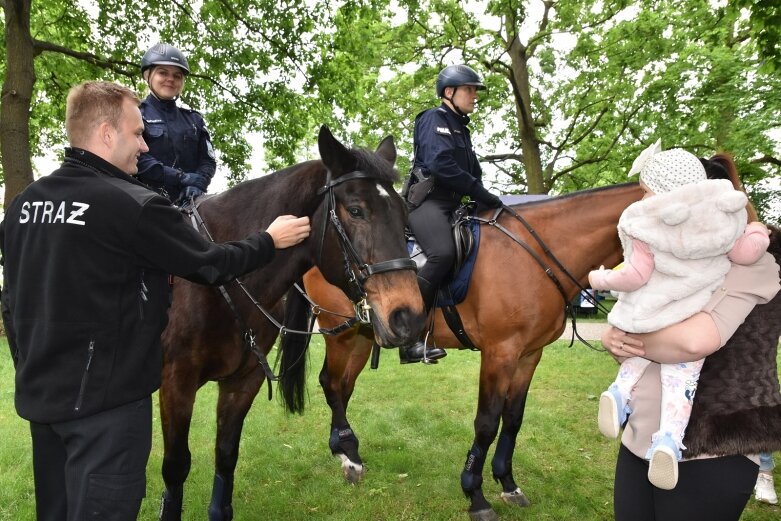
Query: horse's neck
[
  {"x": 580, "y": 230},
  {"x": 253, "y": 205}
]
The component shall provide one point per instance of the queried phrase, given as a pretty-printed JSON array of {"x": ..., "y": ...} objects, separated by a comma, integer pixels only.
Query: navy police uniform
[
  {"x": 443, "y": 149},
  {"x": 86, "y": 255},
  {"x": 178, "y": 142}
]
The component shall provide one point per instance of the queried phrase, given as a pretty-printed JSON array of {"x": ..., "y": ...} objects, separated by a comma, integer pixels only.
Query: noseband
[{"x": 356, "y": 270}]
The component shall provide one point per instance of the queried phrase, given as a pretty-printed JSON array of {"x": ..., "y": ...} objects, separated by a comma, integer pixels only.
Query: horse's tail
[{"x": 293, "y": 346}]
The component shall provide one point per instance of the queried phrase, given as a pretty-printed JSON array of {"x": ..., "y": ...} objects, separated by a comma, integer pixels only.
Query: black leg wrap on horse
[
  {"x": 344, "y": 441},
  {"x": 170, "y": 506},
  {"x": 220, "y": 507},
  {"x": 472, "y": 475},
  {"x": 502, "y": 464}
]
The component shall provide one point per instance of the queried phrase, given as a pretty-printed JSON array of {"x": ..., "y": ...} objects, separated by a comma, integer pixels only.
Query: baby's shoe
[
  {"x": 664, "y": 456},
  {"x": 764, "y": 490},
  {"x": 612, "y": 413}
]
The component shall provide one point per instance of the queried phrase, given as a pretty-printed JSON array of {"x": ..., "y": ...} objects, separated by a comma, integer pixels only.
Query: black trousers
[
  {"x": 93, "y": 468},
  {"x": 430, "y": 222},
  {"x": 713, "y": 489}
]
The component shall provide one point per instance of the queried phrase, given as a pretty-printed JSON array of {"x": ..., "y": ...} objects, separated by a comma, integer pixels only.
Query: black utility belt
[{"x": 443, "y": 194}]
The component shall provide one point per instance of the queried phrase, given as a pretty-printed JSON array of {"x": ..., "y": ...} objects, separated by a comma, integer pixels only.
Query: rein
[
  {"x": 355, "y": 280},
  {"x": 493, "y": 221},
  {"x": 248, "y": 334}
]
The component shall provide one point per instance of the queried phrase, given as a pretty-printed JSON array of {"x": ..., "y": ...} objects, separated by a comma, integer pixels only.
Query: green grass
[{"x": 415, "y": 426}]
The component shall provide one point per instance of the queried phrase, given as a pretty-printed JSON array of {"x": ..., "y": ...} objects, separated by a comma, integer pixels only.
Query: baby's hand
[{"x": 593, "y": 274}]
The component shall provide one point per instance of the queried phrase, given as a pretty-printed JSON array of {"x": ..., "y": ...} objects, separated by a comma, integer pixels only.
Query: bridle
[{"x": 357, "y": 271}]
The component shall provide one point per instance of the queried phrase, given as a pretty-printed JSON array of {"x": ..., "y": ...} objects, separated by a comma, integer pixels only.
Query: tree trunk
[
  {"x": 16, "y": 98},
  {"x": 535, "y": 183}
]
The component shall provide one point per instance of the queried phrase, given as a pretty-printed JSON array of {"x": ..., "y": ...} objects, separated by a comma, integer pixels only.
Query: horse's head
[{"x": 360, "y": 245}]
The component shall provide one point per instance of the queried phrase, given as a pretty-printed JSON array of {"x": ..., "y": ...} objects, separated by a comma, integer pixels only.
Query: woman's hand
[{"x": 620, "y": 345}]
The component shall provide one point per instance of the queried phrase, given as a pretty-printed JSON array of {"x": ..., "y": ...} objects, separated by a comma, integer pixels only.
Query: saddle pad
[{"x": 455, "y": 292}]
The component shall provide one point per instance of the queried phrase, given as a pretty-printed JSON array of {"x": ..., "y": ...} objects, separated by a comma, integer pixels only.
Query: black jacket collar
[
  {"x": 81, "y": 157},
  {"x": 167, "y": 105},
  {"x": 464, "y": 120}
]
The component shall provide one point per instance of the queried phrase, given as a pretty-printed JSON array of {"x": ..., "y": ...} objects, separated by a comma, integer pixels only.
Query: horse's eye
[{"x": 355, "y": 211}]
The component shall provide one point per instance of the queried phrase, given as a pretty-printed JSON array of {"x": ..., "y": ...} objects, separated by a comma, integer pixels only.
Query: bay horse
[
  {"x": 512, "y": 309},
  {"x": 357, "y": 243}
]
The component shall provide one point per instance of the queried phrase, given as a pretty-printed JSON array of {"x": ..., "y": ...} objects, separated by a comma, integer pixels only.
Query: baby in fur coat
[{"x": 679, "y": 242}]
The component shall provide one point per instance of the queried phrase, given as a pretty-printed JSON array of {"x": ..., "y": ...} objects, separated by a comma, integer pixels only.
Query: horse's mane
[
  {"x": 572, "y": 195},
  {"x": 367, "y": 160}
]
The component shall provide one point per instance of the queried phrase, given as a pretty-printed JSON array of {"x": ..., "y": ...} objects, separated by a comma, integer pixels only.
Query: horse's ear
[
  {"x": 332, "y": 152},
  {"x": 387, "y": 150}
]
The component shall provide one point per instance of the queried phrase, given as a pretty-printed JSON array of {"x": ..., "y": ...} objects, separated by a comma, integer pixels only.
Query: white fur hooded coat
[{"x": 689, "y": 230}]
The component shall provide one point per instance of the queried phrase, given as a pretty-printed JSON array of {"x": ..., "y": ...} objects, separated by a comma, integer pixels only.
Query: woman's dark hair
[{"x": 722, "y": 166}]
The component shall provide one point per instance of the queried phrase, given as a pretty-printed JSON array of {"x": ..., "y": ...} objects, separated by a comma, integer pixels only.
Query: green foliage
[
  {"x": 575, "y": 89},
  {"x": 604, "y": 78},
  {"x": 248, "y": 60},
  {"x": 765, "y": 28}
]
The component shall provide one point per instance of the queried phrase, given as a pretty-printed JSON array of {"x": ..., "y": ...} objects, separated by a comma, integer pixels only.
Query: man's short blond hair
[{"x": 92, "y": 103}]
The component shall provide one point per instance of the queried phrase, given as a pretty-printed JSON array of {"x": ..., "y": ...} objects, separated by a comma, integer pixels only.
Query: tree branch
[
  {"x": 493, "y": 158},
  {"x": 768, "y": 160},
  {"x": 113, "y": 65},
  {"x": 282, "y": 49}
]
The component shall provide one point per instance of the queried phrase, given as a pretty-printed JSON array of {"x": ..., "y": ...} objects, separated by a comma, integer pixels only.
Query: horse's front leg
[
  {"x": 494, "y": 383},
  {"x": 512, "y": 418},
  {"x": 235, "y": 399},
  {"x": 346, "y": 356},
  {"x": 176, "y": 410}
]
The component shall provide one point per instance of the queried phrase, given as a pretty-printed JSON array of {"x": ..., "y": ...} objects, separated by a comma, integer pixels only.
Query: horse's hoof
[
  {"x": 353, "y": 472},
  {"x": 487, "y": 514},
  {"x": 516, "y": 497}
]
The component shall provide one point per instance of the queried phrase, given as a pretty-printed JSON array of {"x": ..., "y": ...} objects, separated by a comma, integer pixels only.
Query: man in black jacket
[{"x": 87, "y": 251}]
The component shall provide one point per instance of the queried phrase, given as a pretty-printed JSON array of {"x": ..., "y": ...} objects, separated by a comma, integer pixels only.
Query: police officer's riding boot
[{"x": 418, "y": 352}]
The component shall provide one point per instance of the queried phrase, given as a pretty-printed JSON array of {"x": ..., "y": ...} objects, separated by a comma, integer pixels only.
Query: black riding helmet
[
  {"x": 164, "y": 54},
  {"x": 455, "y": 76}
]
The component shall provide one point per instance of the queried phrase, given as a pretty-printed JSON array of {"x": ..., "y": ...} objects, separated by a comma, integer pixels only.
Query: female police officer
[
  {"x": 180, "y": 162},
  {"x": 444, "y": 154}
]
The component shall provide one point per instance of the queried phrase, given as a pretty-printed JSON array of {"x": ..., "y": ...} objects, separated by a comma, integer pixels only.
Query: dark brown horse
[
  {"x": 512, "y": 310},
  {"x": 357, "y": 243}
]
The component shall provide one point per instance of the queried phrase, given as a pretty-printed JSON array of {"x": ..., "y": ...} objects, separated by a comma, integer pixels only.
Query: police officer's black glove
[
  {"x": 488, "y": 202},
  {"x": 492, "y": 202},
  {"x": 191, "y": 179},
  {"x": 189, "y": 192}
]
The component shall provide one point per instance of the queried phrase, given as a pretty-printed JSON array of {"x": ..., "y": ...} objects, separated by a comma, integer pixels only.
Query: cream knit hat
[{"x": 665, "y": 171}]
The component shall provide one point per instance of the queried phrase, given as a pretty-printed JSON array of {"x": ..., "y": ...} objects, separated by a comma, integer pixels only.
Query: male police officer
[
  {"x": 443, "y": 151},
  {"x": 87, "y": 251}
]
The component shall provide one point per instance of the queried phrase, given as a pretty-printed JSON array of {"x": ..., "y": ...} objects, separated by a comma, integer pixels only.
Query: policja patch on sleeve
[{"x": 209, "y": 147}]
